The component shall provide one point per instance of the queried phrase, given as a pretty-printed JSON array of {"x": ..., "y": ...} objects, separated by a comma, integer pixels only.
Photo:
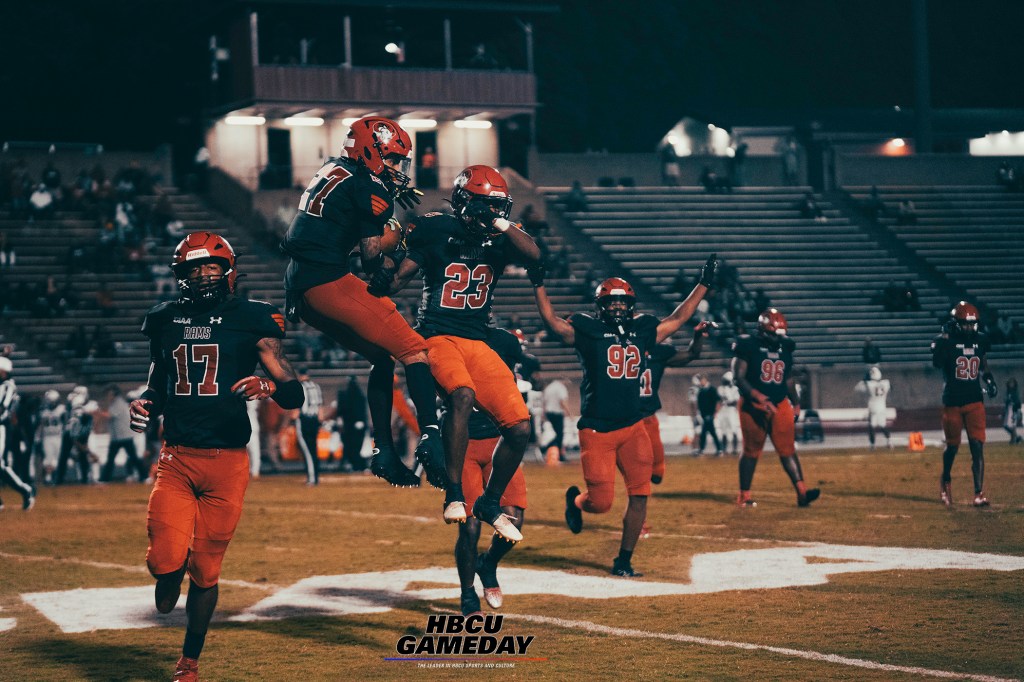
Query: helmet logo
[
  {"x": 383, "y": 132},
  {"x": 197, "y": 253}
]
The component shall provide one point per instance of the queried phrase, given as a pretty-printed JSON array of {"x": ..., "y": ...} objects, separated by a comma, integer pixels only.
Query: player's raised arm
[
  {"x": 547, "y": 313},
  {"x": 526, "y": 250},
  {"x": 685, "y": 310},
  {"x": 695, "y": 348}
]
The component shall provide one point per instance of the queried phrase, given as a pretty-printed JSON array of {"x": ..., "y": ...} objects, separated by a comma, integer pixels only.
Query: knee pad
[
  {"x": 599, "y": 498},
  {"x": 205, "y": 561}
]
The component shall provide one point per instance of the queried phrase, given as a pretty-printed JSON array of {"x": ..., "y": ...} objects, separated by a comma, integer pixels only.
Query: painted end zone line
[{"x": 795, "y": 653}]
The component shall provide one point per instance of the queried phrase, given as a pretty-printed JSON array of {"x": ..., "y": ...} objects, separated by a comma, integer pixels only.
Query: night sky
[{"x": 612, "y": 75}]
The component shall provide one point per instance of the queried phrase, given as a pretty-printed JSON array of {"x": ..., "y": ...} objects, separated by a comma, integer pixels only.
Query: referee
[{"x": 308, "y": 426}]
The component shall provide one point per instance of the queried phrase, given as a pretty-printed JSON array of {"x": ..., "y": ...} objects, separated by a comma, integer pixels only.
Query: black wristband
[{"x": 289, "y": 395}]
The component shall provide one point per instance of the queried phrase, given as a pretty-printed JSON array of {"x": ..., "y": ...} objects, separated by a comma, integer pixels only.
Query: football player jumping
[
  {"x": 612, "y": 348},
  {"x": 959, "y": 351},
  {"x": 203, "y": 349},
  {"x": 347, "y": 203},
  {"x": 462, "y": 255},
  {"x": 763, "y": 367}
]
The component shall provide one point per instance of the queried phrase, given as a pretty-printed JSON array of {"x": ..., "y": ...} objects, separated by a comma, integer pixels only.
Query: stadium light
[
  {"x": 245, "y": 120},
  {"x": 467, "y": 123},
  {"x": 417, "y": 123},
  {"x": 304, "y": 121}
]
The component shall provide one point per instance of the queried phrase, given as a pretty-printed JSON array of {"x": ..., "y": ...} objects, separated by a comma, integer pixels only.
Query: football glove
[
  {"x": 536, "y": 274},
  {"x": 709, "y": 271},
  {"x": 254, "y": 388},
  {"x": 380, "y": 282},
  {"x": 139, "y": 411},
  {"x": 990, "y": 385},
  {"x": 408, "y": 197},
  {"x": 796, "y": 413}
]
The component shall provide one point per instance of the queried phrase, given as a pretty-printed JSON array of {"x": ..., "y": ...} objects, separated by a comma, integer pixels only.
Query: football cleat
[
  {"x": 980, "y": 500},
  {"x": 624, "y": 569},
  {"x": 387, "y": 465},
  {"x": 655, "y": 479},
  {"x": 946, "y": 493},
  {"x": 455, "y": 512},
  {"x": 430, "y": 453},
  {"x": 488, "y": 572},
  {"x": 490, "y": 513},
  {"x": 186, "y": 670},
  {"x": 743, "y": 500},
  {"x": 806, "y": 499},
  {"x": 645, "y": 531},
  {"x": 29, "y": 501},
  {"x": 168, "y": 589},
  {"x": 469, "y": 601},
  {"x": 573, "y": 514}
]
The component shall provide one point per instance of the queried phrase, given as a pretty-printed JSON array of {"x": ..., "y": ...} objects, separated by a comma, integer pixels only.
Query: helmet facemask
[
  {"x": 620, "y": 316},
  {"x": 203, "y": 290},
  {"x": 477, "y": 213}
]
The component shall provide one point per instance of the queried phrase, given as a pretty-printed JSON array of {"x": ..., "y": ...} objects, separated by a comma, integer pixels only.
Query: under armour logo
[
  {"x": 216, "y": 320},
  {"x": 264, "y": 386},
  {"x": 166, "y": 456}
]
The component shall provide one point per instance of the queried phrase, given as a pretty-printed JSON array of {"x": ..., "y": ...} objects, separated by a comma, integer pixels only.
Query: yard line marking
[
  {"x": 344, "y": 512},
  {"x": 266, "y": 587},
  {"x": 784, "y": 651}
]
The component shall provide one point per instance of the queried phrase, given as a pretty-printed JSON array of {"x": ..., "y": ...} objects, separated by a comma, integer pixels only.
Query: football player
[
  {"x": 612, "y": 346},
  {"x": 203, "y": 350},
  {"x": 8, "y": 405},
  {"x": 876, "y": 389},
  {"x": 462, "y": 255},
  {"x": 53, "y": 414},
  {"x": 658, "y": 358},
  {"x": 348, "y": 203},
  {"x": 959, "y": 351},
  {"x": 763, "y": 367},
  {"x": 484, "y": 435},
  {"x": 729, "y": 415}
]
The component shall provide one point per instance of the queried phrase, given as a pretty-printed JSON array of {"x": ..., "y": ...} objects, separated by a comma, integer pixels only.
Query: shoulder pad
[{"x": 158, "y": 316}]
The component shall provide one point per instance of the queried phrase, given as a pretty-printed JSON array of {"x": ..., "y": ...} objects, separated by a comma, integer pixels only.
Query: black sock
[
  {"x": 379, "y": 396},
  {"x": 490, "y": 497},
  {"x": 421, "y": 389},
  {"x": 453, "y": 493},
  {"x": 498, "y": 549},
  {"x": 193, "y": 644},
  {"x": 625, "y": 555},
  {"x": 948, "y": 455}
]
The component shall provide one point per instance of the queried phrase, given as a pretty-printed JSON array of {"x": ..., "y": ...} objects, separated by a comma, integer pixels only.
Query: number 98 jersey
[
  {"x": 205, "y": 353},
  {"x": 768, "y": 368},
  {"x": 960, "y": 362},
  {"x": 612, "y": 370}
]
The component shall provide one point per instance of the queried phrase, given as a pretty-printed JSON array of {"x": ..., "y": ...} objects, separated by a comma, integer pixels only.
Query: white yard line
[{"x": 782, "y": 651}]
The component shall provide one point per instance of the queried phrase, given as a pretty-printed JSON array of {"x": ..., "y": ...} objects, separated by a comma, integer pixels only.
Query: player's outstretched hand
[
  {"x": 703, "y": 329},
  {"x": 254, "y": 388},
  {"x": 408, "y": 197},
  {"x": 139, "y": 411},
  {"x": 709, "y": 271}
]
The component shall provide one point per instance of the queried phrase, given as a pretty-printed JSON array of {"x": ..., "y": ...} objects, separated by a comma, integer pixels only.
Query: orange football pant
[
  {"x": 653, "y": 427},
  {"x": 757, "y": 426},
  {"x": 197, "y": 501},
  {"x": 970, "y": 416},
  {"x": 629, "y": 449},
  {"x": 477, "y": 469}
]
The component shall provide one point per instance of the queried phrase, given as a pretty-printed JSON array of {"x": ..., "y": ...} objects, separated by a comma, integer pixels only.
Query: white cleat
[{"x": 455, "y": 512}]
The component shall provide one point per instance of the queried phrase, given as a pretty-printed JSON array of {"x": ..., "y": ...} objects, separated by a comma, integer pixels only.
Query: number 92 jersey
[
  {"x": 458, "y": 277},
  {"x": 768, "y": 368},
  {"x": 960, "y": 362},
  {"x": 205, "y": 353},
  {"x": 612, "y": 370}
]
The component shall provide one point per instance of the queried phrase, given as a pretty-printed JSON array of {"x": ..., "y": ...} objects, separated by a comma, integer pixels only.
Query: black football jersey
[
  {"x": 343, "y": 203},
  {"x": 960, "y": 362},
  {"x": 612, "y": 369},
  {"x": 458, "y": 277},
  {"x": 768, "y": 369},
  {"x": 506, "y": 345},
  {"x": 205, "y": 353},
  {"x": 650, "y": 380}
]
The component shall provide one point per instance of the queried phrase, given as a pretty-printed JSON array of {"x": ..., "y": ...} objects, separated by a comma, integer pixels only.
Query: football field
[{"x": 876, "y": 581}]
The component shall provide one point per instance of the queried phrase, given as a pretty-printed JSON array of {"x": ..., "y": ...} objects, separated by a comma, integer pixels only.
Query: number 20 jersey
[
  {"x": 768, "y": 368},
  {"x": 960, "y": 362},
  {"x": 458, "y": 277},
  {"x": 612, "y": 369},
  {"x": 205, "y": 353}
]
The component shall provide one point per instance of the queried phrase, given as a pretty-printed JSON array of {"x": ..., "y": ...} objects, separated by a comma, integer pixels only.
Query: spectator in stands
[
  {"x": 560, "y": 262},
  {"x": 124, "y": 221},
  {"x": 41, "y": 203},
  {"x": 7, "y": 255},
  {"x": 893, "y": 298},
  {"x": 870, "y": 354},
  {"x": 713, "y": 183},
  {"x": 790, "y": 160},
  {"x": 52, "y": 179},
  {"x": 761, "y": 300},
  {"x": 82, "y": 191},
  {"x": 1005, "y": 331},
  {"x": 669, "y": 166},
  {"x": 910, "y": 298},
  {"x": 78, "y": 343},
  {"x": 576, "y": 199},
  {"x": 102, "y": 343},
  {"x": 906, "y": 213},
  {"x": 482, "y": 59},
  {"x": 1012, "y": 411},
  {"x": 809, "y": 208},
  {"x": 874, "y": 207},
  {"x": 427, "y": 172},
  {"x": 531, "y": 222},
  {"x": 105, "y": 301},
  {"x": 737, "y": 162},
  {"x": 1008, "y": 177}
]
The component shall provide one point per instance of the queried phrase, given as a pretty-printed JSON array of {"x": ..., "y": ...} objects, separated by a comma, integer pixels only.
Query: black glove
[
  {"x": 408, "y": 197},
  {"x": 990, "y": 385},
  {"x": 536, "y": 274},
  {"x": 709, "y": 271},
  {"x": 380, "y": 282}
]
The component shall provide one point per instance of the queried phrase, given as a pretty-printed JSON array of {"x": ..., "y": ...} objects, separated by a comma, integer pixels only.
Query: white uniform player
[
  {"x": 877, "y": 390},
  {"x": 729, "y": 415},
  {"x": 53, "y": 415}
]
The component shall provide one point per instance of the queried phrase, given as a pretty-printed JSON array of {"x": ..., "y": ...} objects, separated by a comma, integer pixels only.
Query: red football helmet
[
  {"x": 613, "y": 290},
  {"x": 198, "y": 248},
  {"x": 772, "y": 324},
  {"x": 372, "y": 139},
  {"x": 965, "y": 317},
  {"x": 480, "y": 195}
]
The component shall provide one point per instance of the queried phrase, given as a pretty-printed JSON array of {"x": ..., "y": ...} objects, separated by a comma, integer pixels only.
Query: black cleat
[
  {"x": 469, "y": 601},
  {"x": 29, "y": 501},
  {"x": 430, "y": 453},
  {"x": 387, "y": 465},
  {"x": 624, "y": 569},
  {"x": 168, "y": 589},
  {"x": 811, "y": 496},
  {"x": 573, "y": 514},
  {"x": 655, "y": 479}
]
